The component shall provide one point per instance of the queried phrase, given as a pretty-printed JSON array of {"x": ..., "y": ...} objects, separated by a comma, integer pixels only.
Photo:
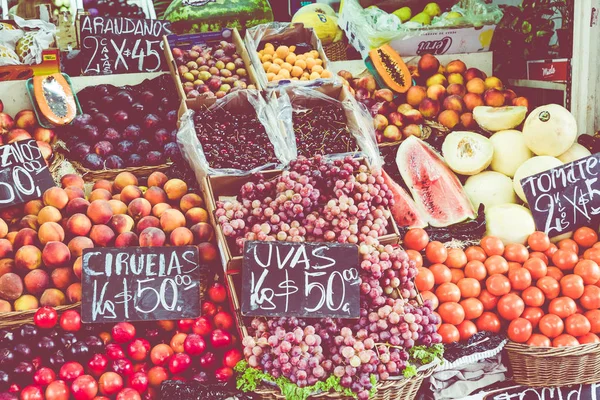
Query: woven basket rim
[{"x": 537, "y": 351}]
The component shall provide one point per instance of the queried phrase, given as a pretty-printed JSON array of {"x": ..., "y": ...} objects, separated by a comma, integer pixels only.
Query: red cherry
[
  {"x": 123, "y": 367},
  {"x": 208, "y": 360},
  {"x": 217, "y": 292},
  {"x": 84, "y": 387},
  {"x": 44, "y": 376},
  {"x": 45, "y": 317},
  {"x": 209, "y": 308},
  {"x": 123, "y": 332},
  {"x": 70, "y": 321},
  {"x": 70, "y": 371},
  {"x": 160, "y": 354},
  {"x": 128, "y": 394},
  {"x": 194, "y": 344}
]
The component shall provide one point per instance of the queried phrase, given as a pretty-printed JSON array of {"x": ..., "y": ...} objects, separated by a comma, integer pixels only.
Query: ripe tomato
[
  {"x": 520, "y": 278},
  {"x": 594, "y": 317},
  {"x": 469, "y": 287},
  {"x": 555, "y": 273},
  {"x": 533, "y": 297},
  {"x": 562, "y": 306},
  {"x": 457, "y": 275},
  {"x": 488, "y": 300},
  {"x": 549, "y": 286},
  {"x": 466, "y": 329},
  {"x": 564, "y": 340},
  {"x": 588, "y": 270},
  {"x": 476, "y": 270},
  {"x": 449, "y": 333},
  {"x": 492, "y": 246},
  {"x": 497, "y": 285},
  {"x": 424, "y": 280},
  {"x": 551, "y": 325},
  {"x": 572, "y": 286},
  {"x": 431, "y": 297},
  {"x": 590, "y": 300},
  {"x": 436, "y": 252},
  {"x": 568, "y": 244},
  {"x": 441, "y": 273},
  {"x": 536, "y": 267},
  {"x": 588, "y": 338},
  {"x": 416, "y": 257},
  {"x": 451, "y": 313},
  {"x": 416, "y": 239},
  {"x": 448, "y": 292},
  {"x": 516, "y": 252},
  {"x": 70, "y": 321},
  {"x": 565, "y": 259},
  {"x": 473, "y": 308},
  {"x": 514, "y": 265},
  {"x": 551, "y": 250},
  {"x": 456, "y": 258},
  {"x": 539, "y": 340},
  {"x": 475, "y": 253},
  {"x": 496, "y": 265},
  {"x": 519, "y": 330},
  {"x": 510, "y": 306},
  {"x": 538, "y": 241},
  {"x": 533, "y": 315},
  {"x": 540, "y": 255},
  {"x": 577, "y": 325},
  {"x": 488, "y": 322},
  {"x": 592, "y": 254},
  {"x": 47, "y": 317},
  {"x": 585, "y": 236}
]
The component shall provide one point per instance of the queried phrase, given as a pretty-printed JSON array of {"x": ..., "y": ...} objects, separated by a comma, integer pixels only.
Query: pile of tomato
[{"x": 542, "y": 294}]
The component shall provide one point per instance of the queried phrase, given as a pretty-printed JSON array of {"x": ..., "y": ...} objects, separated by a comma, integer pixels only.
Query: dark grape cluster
[{"x": 113, "y": 8}]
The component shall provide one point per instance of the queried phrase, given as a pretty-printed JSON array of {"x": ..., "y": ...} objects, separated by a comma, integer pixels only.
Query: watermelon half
[{"x": 404, "y": 211}]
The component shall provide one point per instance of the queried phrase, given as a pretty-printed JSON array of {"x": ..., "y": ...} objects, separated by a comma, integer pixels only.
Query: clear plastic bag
[
  {"x": 27, "y": 42},
  {"x": 267, "y": 113}
]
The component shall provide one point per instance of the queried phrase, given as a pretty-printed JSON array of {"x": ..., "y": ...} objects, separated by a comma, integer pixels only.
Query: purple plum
[
  {"x": 114, "y": 162},
  {"x": 93, "y": 161},
  {"x": 103, "y": 148}
]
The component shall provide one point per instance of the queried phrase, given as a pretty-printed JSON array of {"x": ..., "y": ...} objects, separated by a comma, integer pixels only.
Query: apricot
[
  {"x": 521, "y": 101},
  {"x": 6, "y": 265},
  {"x": 50, "y": 231},
  {"x": 36, "y": 281},
  {"x": 208, "y": 252},
  {"x": 16, "y": 135},
  {"x": 456, "y": 89},
  {"x": 29, "y": 221},
  {"x": 476, "y": 85},
  {"x": 175, "y": 189},
  {"x": 72, "y": 180},
  {"x": 127, "y": 239},
  {"x": 78, "y": 244},
  {"x": 414, "y": 117},
  {"x": 415, "y": 95},
  {"x": 195, "y": 215},
  {"x": 74, "y": 192},
  {"x": 456, "y": 78},
  {"x": 472, "y": 100},
  {"x": 473, "y": 73},
  {"x": 412, "y": 130},
  {"x": 158, "y": 209},
  {"x": 52, "y": 298},
  {"x": 49, "y": 214},
  {"x": 437, "y": 79},
  {"x": 26, "y": 302},
  {"x": 33, "y": 207},
  {"x": 5, "y": 307},
  {"x": 28, "y": 258},
  {"x": 152, "y": 237},
  {"x": 139, "y": 208},
  {"x": 203, "y": 232},
  {"x": 181, "y": 236},
  {"x": 77, "y": 206},
  {"x": 11, "y": 286},
  {"x": 78, "y": 266},
  {"x": 455, "y": 103},
  {"x": 171, "y": 219},
  {"x": 493, "y": 98},
  {"x": 102, "y": 235},
  {"x": 73, "y": 292},
  {"x": 157, "y": 179},
  {"x": 456, "y": 67},
  {"x": 121, "y": 223},
  {"x": 117, "y": 206},
  {"x": 509, "y": 96},
  {"x": 25, "y": 119},
  {"x": 103, "y": 184},
  {"x": 79, "y": 225},
  {"x": 10, "y": 236},
  {"x": 429, "y": 108},
  {"x": 147, "y": 222},
  {"x": 468, "y": 121},
  {"x": 124, "y": 179},
  {"x": 449, "y": 118},
  {"x": 56, "y": 197},
  {"x": 62, "y": 277},
  {"x": 26, "y": 236},
  {"x": 129, "y": 193},
  {"x": 404, "y": 107},
  {"x": 493, "y": 82},
  {"x": 436, "y": 92},
  {"x": 155, "y": 195},
  {"x": 100, "y": 212}
]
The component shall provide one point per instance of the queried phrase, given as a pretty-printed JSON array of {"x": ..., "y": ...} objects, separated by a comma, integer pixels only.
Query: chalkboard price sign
[
  {"x": 575, "y": 392},
  {"x": 24, "y": 174},
  {"x": 300, "y": 279},
  {"x": 565, "y": 198},
  {"x": 116, "y": 45},
  {"x": 140, "y": 284}
]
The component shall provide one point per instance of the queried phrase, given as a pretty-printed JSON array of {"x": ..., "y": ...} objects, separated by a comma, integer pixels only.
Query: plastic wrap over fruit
[{"x": 26, "y": 43}]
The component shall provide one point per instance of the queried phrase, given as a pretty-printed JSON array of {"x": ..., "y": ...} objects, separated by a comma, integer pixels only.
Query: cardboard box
[
  {"x": 556, "y": 70},
  {"x": 50, "y": 65}
]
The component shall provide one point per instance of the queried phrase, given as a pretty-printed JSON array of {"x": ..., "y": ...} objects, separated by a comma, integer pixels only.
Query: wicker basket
[
  {"x": 429, "y": 128},
  {"x": 14, "y": 319},
  {"x": 111, "y": 174},
  {"x": 336, "y": 51},
  {"x": 554, "y": 366}
]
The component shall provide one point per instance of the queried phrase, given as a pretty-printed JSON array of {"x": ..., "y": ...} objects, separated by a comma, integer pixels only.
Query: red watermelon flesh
[{"x": 404, "y": 211}]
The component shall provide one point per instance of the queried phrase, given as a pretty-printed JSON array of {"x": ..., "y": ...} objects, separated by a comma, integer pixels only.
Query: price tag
[
  {"x": 300, "y": 279},
  {"x": 140, "y": 284}
]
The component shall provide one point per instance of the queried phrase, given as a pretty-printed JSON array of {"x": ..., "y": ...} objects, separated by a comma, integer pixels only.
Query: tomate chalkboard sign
[
  {"x": 140, "y": 284},
  {"x": 300, "y": 279},
  {"x": 565, "y": 198},
  {"x": 24, "y": 174},
  {"x": 575, "y": 392},
  {"x": 117, "y": 45}
]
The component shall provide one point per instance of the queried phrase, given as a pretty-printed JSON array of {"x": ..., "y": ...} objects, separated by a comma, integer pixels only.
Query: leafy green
[
  {"x": 409, "y": 371},
  {"x": 427, "y": 354}
]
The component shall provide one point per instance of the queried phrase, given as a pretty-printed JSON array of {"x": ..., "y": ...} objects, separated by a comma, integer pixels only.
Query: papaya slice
[
  {"x": 391, "y": 68},
  {"x": 54, "y": 98}
]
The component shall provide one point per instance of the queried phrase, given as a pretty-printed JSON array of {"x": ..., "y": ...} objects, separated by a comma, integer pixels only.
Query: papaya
[
  {"x": 54, "y": 98},
  {"x": 391, "y": 68}
]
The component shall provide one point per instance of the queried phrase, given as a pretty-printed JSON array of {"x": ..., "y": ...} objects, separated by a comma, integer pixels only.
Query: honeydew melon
[
  {"x": 575, "y": 152},
  {"x": 511, "y": 223},
  {"x": 510, "y": 151},
  {"x": 496, "y": 119},
  {"x": 467, "y": 153},
  {"x": 550, "y": 130},
  {"x": 490, "y": 188},
  {"x": 533, "y": 166}
]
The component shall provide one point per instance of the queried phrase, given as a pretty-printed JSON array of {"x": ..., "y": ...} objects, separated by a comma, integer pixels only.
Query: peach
[
  {"x": 26, "y": 302},
  {"x": 11, "y": 212},
  {"x": 472, "y": 100},
  {"x": 493, "y": 98},
  {"x": 152, "y": 237},
  {"x": 127, "y": 239},
  {"x": 449, "y": 118},
  {"x": 157, "y": 179},
  {"x": 55, "y": 255},
  {"x": 147, "y": 222},
  {"x": 391, "y": 134},
  {"x": 181, "y": 236},
  {"x": 77, "y": 206},
  {"x": 6, "y": 265},
  {"x": 139, "y": 208},
  {"x": 473, "y": 73},
  {"x": 521, "y": 101},
  {"x": 45, "y": 149},
  {"x": 456, "y": 67},
  {"x": 476, "y": 85},
  {"x": 78, "y": 266},
  {"x": 436, "y": 92},
  {"x": 74, "y": 192},
  {"x": 52, "y": 298},
  {"x": 29, "y": 221},
  {"x": 72, "y": 180},
  {"x": 456, "y": 78},
  {"x": 379, "y": 122},
  {"x": 467, "y": 121},
  {"x": 415, "y": 95},
  {"x": 155, "y": 195},
  {"x": 509, "y": 96},
  {"x": 10, "y": 236},
  {"x": 102, "y": 235},
  {"x": 189, "y": 201},
  {"x": 124, "y": 179},
  {"x": 383, "y": 95},
  {"x": 456, "y": 89},
  {"x": 208, "y": 252},
  {"x": 5, "y": 307},
  {"x": 26, "y": 236},
  {"x": 99, "y": 212},
  {"x": 121, "y": 223},
  {"x": 49, "y": 214},
  {"x": 99, "y": 194},
  {"x": 437, "y": 79},
  {"x": 62, "y": 277},
  {"x": 412, "y": 130},
  {"x": 116, "y": 197},
  {"x": 79, "y": 225},
  {"x": 493, "y": 82},
  {"x": 368, "y": 83},
  {"x": 395, "y": 118},
  {"x": 117, "y": 206},
  {"x": 33, "y": 207},
  {"x": 74, "y": 292},
  {"x": 44, "y": 135},
  {"x": 11, "y": 286},
  {"x": 28, "y": 258},
  {"x": 56, "y": 197},
  {"x": 129, "y": 193},
  {"x": 25, "y": 119},
  {"x": 103, "y": 184},
  {"x": 175, "y": 189},
  {"x": 158, "y": 209},
  {"x": 203, "y": 232},
  {"x": 414, "y": 117},
  {"x": 36, "y": 281},
  {"x": 16, "y": 135},
  {"x": 172, "y": 219},
  {"x": 78, "y": 244},
  {"x": 195, "y": 215},
  {"x": 428, "y": 65},
  {"x": 51, "y": 231},
  {"x": 429, "y": 108},
  {"x": 404, "y": 107},
  {"x": 455, "y": 103}
]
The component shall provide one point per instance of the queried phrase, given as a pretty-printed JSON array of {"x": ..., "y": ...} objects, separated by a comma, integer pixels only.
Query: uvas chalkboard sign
[
  {"x": 117, "y": 45},
  {"x": 574, "y": 392},
  {"x": 140, "y": 284},
  {"x": 300, "y": 279},
  {"x": 24, "y": 174},
  {"x": 565, "y": 198}
]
